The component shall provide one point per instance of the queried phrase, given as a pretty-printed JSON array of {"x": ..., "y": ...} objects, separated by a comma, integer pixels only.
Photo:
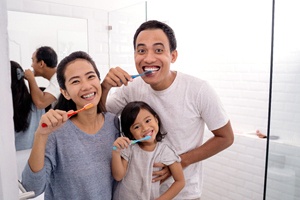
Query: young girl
[
  {"x": 132, "y": 165},
  {"x": 70, "y": 158}
]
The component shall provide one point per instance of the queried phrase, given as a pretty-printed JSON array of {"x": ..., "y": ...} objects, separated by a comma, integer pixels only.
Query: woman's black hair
[
  {"x": 129, "y": 114},
  {"x": 21, "y": 98},
  {"x": 63, "y": 103}
]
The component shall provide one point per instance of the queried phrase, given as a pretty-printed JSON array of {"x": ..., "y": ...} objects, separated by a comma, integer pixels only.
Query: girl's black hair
[
  {"x": 21, "y": 98},
  {"x": 63, "y": 103},
  {"x": 129, "y": 114}
]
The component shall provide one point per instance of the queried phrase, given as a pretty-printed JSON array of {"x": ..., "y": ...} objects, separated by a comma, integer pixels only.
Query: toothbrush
[
  {"x": 87, "y": 106},
  {"x": 142, "y": 74},
  {"x": 135, "y": 141}
]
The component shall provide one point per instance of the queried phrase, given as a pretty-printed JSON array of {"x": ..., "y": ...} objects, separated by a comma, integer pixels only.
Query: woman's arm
[
  {"x": 54, "y": 119},
  {"x": 179, "y": 182}
]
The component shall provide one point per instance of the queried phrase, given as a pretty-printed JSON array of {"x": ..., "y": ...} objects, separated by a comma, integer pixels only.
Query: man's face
[
  {"x": 153, "y": 53},
  {"x": 36, "y": 65}
]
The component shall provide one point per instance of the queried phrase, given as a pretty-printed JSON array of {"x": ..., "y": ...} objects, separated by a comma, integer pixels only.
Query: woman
[
  {"x": 26, "y": 114},
  {"x": 70, "y": 158}
]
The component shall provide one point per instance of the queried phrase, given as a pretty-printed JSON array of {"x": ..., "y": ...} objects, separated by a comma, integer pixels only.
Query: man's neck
[{"x": 49, "y": 73}]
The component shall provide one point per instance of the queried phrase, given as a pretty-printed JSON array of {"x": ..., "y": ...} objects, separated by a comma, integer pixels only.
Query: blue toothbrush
[
  {"x": 135, "y": 141},
  {"x": 142, "y": 74}
]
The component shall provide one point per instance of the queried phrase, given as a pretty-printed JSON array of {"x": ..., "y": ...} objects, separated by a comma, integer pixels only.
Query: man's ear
[
  {"x": 65, "y": 94},
  {"x": 174, "y": 55}
]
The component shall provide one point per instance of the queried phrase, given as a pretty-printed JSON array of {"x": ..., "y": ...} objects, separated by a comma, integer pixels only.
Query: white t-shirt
[
  {"x": 184, "y": 108},
  {"x": 53, "y": 88}
]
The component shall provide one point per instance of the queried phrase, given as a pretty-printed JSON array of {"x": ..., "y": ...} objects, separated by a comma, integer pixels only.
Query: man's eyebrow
[{"x": 155, "y": 44}]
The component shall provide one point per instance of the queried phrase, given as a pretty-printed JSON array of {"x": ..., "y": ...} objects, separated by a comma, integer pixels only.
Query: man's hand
[{"x": 162, "y": 174}]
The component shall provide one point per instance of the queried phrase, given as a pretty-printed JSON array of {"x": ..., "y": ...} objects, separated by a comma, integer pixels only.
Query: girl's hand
[
  {"x": 53, "y": 119},
  {"x": 122, "y": 143}
]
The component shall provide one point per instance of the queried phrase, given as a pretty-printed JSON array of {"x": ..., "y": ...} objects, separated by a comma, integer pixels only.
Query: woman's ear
[{"x": 65, "y": 94}]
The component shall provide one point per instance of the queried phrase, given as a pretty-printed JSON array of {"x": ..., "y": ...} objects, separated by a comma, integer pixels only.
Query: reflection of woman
[{"x": 26, "y": 115}]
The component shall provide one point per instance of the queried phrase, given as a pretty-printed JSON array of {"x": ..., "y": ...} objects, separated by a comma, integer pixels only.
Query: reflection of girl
[
  {"x": 26, "y": 115},
  {"x": 70, "y": 159},
  {"x": 132, "y": 165}
]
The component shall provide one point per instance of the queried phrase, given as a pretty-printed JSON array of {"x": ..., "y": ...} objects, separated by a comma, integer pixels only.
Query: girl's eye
[
  {"x": 135, "y": 127},
  {"x": 148, "y": 120}
]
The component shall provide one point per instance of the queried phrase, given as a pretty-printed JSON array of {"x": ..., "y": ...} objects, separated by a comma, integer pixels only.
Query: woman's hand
[{"x": 53, "y": 119}]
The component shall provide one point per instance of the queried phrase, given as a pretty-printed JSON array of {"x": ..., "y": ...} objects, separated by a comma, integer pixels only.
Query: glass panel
[
  {"x": 283, "y": 176},
  {"x": 123, "y": 23}
]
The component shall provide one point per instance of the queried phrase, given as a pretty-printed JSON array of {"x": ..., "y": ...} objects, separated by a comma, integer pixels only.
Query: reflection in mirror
[{"x": 28, "y": 31}]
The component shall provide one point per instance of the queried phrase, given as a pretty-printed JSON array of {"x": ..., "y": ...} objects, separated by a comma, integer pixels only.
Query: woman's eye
[
  {"x": 148, "y": 120},
  {"x": 91, "y": 76},
  {"x": 75, "y": 82}
]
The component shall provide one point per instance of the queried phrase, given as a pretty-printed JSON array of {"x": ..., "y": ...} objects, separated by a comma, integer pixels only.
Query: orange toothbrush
[{"x": 87, "y": 106}]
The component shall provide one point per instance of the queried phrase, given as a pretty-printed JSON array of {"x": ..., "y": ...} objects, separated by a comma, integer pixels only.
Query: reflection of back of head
[{"x": 21, "y": 98}]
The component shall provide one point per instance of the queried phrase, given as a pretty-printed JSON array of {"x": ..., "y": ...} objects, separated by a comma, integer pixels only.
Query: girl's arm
[
  {"x": 118, "y": 165},
  {"x": 179, "y": 182}
]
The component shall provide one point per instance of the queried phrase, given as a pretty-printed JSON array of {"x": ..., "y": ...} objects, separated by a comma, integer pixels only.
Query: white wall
[{"x": 8, "y": 168}]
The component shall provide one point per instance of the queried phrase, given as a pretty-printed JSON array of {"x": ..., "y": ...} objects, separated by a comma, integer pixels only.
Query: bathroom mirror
[{"x": 28, "y": 31}]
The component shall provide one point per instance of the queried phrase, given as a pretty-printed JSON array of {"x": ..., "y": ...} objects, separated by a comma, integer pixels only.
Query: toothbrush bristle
[
  {"x": 88, "y": 106},
  {"x": 148, "y": 72},
  {"x": 147, "y": 137}
]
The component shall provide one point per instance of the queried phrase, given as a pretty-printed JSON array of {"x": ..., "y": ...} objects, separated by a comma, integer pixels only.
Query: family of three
[{"x": 73, "y": 157}]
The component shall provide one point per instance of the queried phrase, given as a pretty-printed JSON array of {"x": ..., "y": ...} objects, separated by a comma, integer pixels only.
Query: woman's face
[{"x": 82, "y": 83}]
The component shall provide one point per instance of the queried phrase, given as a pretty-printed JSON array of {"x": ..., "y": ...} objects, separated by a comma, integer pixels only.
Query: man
[
  {"x": 184, "y": 103},
  {"x": 44, "y": 61}
]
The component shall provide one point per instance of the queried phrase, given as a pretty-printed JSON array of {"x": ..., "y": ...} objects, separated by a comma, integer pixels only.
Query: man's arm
[
  {"x": 222, "y": 139},
  {"x": 116, "y": 77},
  {"x": 40, "y": 99}
]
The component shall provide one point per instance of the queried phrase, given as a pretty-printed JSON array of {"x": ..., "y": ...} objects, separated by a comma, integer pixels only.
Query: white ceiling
[{"x": 107, "y": 5}]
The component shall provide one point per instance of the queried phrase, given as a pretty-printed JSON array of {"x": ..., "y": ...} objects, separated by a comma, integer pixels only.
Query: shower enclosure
[{"x": 283, "y": 144}]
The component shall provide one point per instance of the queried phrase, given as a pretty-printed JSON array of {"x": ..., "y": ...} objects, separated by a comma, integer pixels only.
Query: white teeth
[
  {"x": 88, "y": 96},
  {"x": 151, "y": 69}
]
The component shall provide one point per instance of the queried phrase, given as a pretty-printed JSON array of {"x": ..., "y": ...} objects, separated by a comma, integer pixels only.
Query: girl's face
[
  {"x": 82, "y": 83},
  {"x": 144, "y": 124}
]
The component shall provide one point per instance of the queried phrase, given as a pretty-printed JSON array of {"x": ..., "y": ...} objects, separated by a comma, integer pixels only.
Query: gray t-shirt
[
  {"x": 77, "y": 165},
  {"x": 137, "y": 183}
]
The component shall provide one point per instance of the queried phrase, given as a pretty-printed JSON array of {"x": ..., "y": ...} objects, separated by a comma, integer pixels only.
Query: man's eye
[
  {"x": 141, "y": 51},
  {"x": 159, "y": 50}
]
